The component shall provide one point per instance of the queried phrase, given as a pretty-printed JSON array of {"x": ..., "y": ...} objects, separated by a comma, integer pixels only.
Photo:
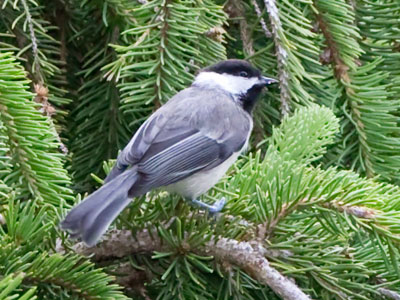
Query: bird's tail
[{"x": 91, "y": 218}]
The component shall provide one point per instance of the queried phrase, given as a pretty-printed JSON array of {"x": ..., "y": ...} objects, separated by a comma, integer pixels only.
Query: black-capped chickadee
[{"x": 186, "y": 146}]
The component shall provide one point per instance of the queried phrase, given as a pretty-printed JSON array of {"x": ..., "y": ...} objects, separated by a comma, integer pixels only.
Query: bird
[{"x": 185, "y": 147}]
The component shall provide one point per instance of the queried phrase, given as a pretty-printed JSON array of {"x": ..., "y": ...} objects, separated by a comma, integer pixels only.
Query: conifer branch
[
  {"x": 251, "y": 259},
  {"x": 350, "y": 72},
  {"x": 257, "y": 9},
  {"x": 32, "y": 35},
  {"x": 235, "y": 9},
  {"x": 31, "y": 139},
  {"x": 43, "y": 57},
  {"x": 265, "y": 229},
  {"x": 42, "y": 92},
  {"x": 120, "y": 243},
  {"x": 357, "y": 211},
  {"x": 163, "y": 17},
  {"x": 10, "y": 287},
  {"x": 246, "y": 255},
  {"x": 20, "y": 156},
  {"x": 342, "y": 74},
  {"x": 75, "y": 290},
  {"x": 335, "y": 233},
  {"x": 132, "y": 278},
  {"x": 282, "y": 56},
  {"x": 389, "y": 294}
]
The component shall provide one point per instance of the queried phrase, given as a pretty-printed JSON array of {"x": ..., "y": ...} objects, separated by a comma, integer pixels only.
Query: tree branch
[
  {"x": 235, "y": 9},
  {"x": 257, "y": 9},
  {"x": 248, "y": 256},
  {"x": 18, "y": 154},
  {"x": 34, "y": 43},
  {"x": 357, "y": 211},
  {"x": 281, "y": 55},
  {"x": 342, "y": 75},
  {"x": 389, "y": 294},
  {"x": 164, "y": 15},
  {"x": 40, "y": 89},
  {"x": 252, "y": 261}
]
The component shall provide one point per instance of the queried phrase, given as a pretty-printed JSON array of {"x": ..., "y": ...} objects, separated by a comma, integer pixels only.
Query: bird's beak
[{"x": 267, "y": 81}]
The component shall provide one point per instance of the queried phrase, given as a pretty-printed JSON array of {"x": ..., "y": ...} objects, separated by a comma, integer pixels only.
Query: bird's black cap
[{"x": 234, "y": 67}]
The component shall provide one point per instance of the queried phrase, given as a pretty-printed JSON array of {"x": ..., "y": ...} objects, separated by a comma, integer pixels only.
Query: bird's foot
[{"x": 212, "y": 209}]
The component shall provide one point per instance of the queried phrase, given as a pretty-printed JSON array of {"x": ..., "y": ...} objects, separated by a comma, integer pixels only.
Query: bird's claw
[
  {"x": 217, "y": 206},
  {"x": 212, "y": 209}
]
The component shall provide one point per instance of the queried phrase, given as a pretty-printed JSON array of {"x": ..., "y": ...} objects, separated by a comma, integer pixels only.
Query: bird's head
[{"x": 237, "y": 77}]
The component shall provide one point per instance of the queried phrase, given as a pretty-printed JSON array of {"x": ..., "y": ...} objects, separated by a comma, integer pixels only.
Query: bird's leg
[{"x": 215, "y": 208}]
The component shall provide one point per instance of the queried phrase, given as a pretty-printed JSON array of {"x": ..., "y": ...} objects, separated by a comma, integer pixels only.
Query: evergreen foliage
[
  {"x": 30, "y": 31},
  {"x": 316, "y": 196},
  {"x": 31, "y": 162}
]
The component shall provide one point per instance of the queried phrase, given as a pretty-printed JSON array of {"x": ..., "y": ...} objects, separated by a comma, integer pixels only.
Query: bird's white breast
[{"x": 200, "y": 182}]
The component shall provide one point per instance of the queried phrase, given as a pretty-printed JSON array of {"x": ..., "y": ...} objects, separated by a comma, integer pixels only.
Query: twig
[
  {"x": 281, "y": 54},
  {"x": 249, "y": 257},
  {"x": 389, "y": 294},
  {"x": 235, "y": 9},
  {"x": 34, "y": 41},
  {"x": 266, "y": 229},
  {"x": 42, "y": 97},
  {"x": 342, "y": 74},
  {"x": 257, "y": 9},
  {"x": 120, "y": 243},
  {"x": 40, "y": 90},
  {"x": 357, "y": 211},
  {"x": 253, "y": 262},
  {"x": 163, "y": 18}
]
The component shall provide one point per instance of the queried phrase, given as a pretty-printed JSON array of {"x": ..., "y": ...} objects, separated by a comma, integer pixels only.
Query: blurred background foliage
[{"x": 77, "y": 78}]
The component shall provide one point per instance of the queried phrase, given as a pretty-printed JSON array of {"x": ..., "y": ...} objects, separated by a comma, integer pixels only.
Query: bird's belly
[{"x": 199, "y": 183}]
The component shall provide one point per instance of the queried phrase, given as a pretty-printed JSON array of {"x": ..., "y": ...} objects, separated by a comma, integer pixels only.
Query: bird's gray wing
[
  {"x": 194, "y": 153},
  {"x": 139, "y": 144},
  {"x": 188, "y": 134}
]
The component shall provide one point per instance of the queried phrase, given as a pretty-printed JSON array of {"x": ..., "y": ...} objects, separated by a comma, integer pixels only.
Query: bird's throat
[{"x": 249, "y": 99}]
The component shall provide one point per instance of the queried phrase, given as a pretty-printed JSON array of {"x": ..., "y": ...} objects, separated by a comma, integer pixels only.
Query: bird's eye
[{"x": 243, "y": 74}]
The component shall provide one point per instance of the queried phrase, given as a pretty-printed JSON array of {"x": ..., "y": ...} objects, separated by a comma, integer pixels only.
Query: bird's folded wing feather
[
  {"x": 177, "y": 141},
  {"x": 194, "y": 153}
]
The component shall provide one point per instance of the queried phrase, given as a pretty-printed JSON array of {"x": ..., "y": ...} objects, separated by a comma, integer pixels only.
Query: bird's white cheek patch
[{"x": 230, "y": 83}]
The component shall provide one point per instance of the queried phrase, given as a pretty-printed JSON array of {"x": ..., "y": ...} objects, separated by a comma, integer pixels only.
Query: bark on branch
[
  {"x": 249, "y": 257},
  {"x": 281, "y": 54},
  {"x": 341, "y": 71},
  {"x": 389, "y": 294}
]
